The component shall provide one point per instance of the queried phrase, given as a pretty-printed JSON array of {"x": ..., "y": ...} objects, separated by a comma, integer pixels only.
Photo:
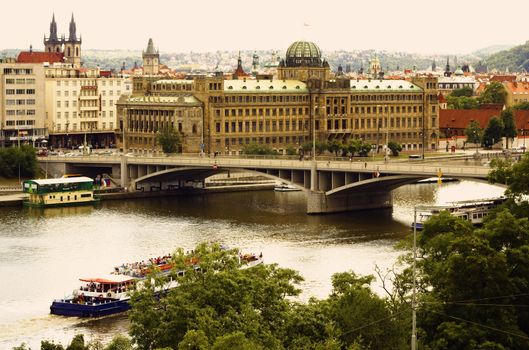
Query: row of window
[
  {"x": 19, "y": 122},
  {"x": 149, "y": 126},
  {"x": 85, "y": 114},
  {"x": 260, "y": 126},
  {"x": 20, "y": 102},
  {"x": 371, "y": 123},
  {"x": 84, "y": 126},
  {"x": 88, "y": 82},
  {"x": 66, "y": 93},
  {"x": 266, "y": 98},
  {"x": 12, "y": 112},
  {"x": 18, "y": 71},
  {"x": 20, "y": 81},
  {"x": 20, "y": 91}
]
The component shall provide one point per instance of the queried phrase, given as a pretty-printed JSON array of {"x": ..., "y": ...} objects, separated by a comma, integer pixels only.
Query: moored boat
[
  {"x": 283, "y": 187},
  {"x": 59, "y": 192},
  {"x": 472, "y": 210}
]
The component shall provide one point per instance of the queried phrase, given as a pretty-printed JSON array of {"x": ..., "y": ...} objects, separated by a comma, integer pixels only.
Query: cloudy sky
[{"x": 421, "y": 26}]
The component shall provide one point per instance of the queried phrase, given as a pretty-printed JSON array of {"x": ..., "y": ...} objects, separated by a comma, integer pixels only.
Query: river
[{"x": 43, "y": 252}]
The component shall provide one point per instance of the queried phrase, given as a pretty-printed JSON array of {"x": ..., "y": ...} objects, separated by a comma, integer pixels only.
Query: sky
[{"x": 415, "y": 26}]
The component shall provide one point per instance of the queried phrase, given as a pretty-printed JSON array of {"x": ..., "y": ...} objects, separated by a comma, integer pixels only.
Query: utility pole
[{"x": 414, "y": 289}]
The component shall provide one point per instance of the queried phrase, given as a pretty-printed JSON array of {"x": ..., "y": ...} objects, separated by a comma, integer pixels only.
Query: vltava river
[{"x": 44, "y": 252}]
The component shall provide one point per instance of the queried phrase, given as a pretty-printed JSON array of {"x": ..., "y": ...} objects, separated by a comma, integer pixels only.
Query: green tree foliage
[
  {"x": 515, "y": 175},
  {"x": 395, "y": 148},
  {"x": 514, "y": 59},
  {"x": 258, "y": 149},
  {"x": 472, "y": 281},
  {"x": 194, "y": 340},
  {"x": 509, "y": 126},
  {"x": 464, "y": 91},
  {"x": 521, "y": 106},
  {"x": 291, "y": 150},
  {"x": 335, "y": 147},
  {"x": 119, "y": 342},
  {"x": 234, "y": 341},
  {"x": 494, "y": 93},
  {"x": 12, "y": 157},
  {"x": 50, "y": 345},
  {"x": 218, "y": 300},
  {"x": 320, "y": 147},
  {"x": 474, "y": 132},
  {"x": 169, "y": 139},
  {"x": 462, "y": 102},
  {"x": 493, "y": 132},
  {"x": 77, "y": 343}
]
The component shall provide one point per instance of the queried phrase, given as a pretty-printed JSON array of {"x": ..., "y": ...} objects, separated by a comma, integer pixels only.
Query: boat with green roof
[{"x": 71, "y": 191}]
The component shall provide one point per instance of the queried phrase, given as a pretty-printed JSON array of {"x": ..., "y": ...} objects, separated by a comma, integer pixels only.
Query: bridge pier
[
  {"x": 124, "y": 174},
  {"x": 320, "y": 203}
]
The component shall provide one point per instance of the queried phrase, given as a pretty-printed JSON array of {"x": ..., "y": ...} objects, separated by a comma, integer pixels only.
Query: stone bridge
[{"x": 331, "y": 186}]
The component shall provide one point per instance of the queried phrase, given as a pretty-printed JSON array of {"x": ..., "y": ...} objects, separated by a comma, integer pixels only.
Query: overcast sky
[{"x": 420, "y": 26}]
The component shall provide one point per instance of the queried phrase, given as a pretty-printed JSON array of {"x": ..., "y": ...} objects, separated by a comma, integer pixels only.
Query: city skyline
[{"x": 413, "y": 26}]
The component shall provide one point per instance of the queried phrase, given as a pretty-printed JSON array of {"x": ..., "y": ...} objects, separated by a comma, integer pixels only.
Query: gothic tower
[
  {"x": 72, "y": 46},
  {"x": 151, "y": 60},
  {"x": 52, "y": 43}
]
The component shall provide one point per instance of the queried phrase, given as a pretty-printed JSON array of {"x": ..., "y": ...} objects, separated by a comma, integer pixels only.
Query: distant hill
[
  {"x": 490, "y": 50},
  {"x": 515, "y": 59}
]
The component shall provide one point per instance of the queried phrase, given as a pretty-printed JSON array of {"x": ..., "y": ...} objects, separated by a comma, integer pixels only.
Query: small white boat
[
  {"x": 472, "y": 210},
  {"x": 283, "y": 187}
]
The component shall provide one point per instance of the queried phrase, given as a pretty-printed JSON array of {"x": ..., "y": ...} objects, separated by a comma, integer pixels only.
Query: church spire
[
  {"x": 73, "y": 35},
  {"x": 53, "y": 29},
  {"x": 150, "y": 47}
]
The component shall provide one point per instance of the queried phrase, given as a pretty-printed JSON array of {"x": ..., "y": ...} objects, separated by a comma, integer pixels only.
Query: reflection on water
[{"x": 43, "y": 252}]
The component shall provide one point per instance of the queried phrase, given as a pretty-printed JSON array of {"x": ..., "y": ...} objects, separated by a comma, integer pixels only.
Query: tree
[
  {"x": 291, "y": 150},
  {"x": 462, "y": 102},
  {"x": 219, "y": 299},
  {"x": 119, "y": 342},
  {"x": 169, "y": 139},
  {"x": 474, "y": 132},
  {"x": 194, "y": 340},
  {"x": 515, "y": 175},
  {"x": 493, "y": 132},
  {"x": 258, "y": 149},
  {"x": 335, "y": 147},
  {"x": 354, "y": 146},
  {"x": 509, "y": 126},
  {"x": 494, "y": 93},
  {"x": 13, "y": 159},
  {"x": 320, "y": 147},
  {"x": 395, "y": 148},
  {"x": 521, "y": 106},
  {"x": 464, "y": 91}
]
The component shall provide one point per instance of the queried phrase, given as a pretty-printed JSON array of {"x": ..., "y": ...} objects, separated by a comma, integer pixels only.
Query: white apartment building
[
  {"x": 81, "y": 106},
  {"x": 22, "y": 103}
]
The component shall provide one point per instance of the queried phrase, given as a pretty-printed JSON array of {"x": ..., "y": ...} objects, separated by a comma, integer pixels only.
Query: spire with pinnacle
[
  {"x": 73, "y": 35},
  {"x": 53, "y": 29},
  {"x": 150, "y": 48}
]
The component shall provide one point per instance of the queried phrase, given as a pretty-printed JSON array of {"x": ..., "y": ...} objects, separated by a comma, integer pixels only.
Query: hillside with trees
[{"x": 515, "y": 59}]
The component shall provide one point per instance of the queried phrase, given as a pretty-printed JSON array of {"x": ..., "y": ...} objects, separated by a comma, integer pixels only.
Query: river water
[{"x": 43, "y": 252}]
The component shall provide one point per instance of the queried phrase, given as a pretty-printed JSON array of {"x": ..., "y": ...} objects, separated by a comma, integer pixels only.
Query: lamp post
[
  {"x": 414, "y": 288},
  {"x": 67, "y": 124}
]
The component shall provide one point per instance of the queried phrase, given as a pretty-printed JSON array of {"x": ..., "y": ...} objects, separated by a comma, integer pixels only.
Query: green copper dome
[{"x": 303, "y": 53}]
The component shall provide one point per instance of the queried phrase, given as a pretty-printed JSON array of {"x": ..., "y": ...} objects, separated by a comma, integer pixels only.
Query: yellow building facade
[{"x": 303, "y": 102}]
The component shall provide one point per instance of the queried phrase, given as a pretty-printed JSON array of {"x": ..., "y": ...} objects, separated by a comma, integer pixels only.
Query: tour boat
[
  {"x": 108, "y": 295},
  {"x": 59, "y": 192},
  {"x": 472, "y": 210},
  {"x": 283, "y": 187}
]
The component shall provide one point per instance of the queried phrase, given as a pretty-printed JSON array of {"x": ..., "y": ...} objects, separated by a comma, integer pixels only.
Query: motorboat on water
[
  {"x": 110, "y": 294},
  {"x": 284, "y": 187},
  {"x": 471, "y": 210}
]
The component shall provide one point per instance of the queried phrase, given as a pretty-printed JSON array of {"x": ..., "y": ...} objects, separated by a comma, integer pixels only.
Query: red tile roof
[
  {"x": 461, "y": 118},
  {"x": 521, "y": 118},
  {"x": 40, "y": 57},
  {"x": 502, "y": 78}
]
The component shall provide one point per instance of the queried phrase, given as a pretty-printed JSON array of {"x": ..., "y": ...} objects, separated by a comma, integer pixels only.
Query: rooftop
[
  {"x": 178, "y": 99},
  {"x": 40, "y": 57},
  {"x": 255, "y": 86},
  {"x": 383, "y": 85}
]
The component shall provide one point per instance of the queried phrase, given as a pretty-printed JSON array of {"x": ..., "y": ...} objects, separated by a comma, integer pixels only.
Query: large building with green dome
[{"x": 304, "y": 100}]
